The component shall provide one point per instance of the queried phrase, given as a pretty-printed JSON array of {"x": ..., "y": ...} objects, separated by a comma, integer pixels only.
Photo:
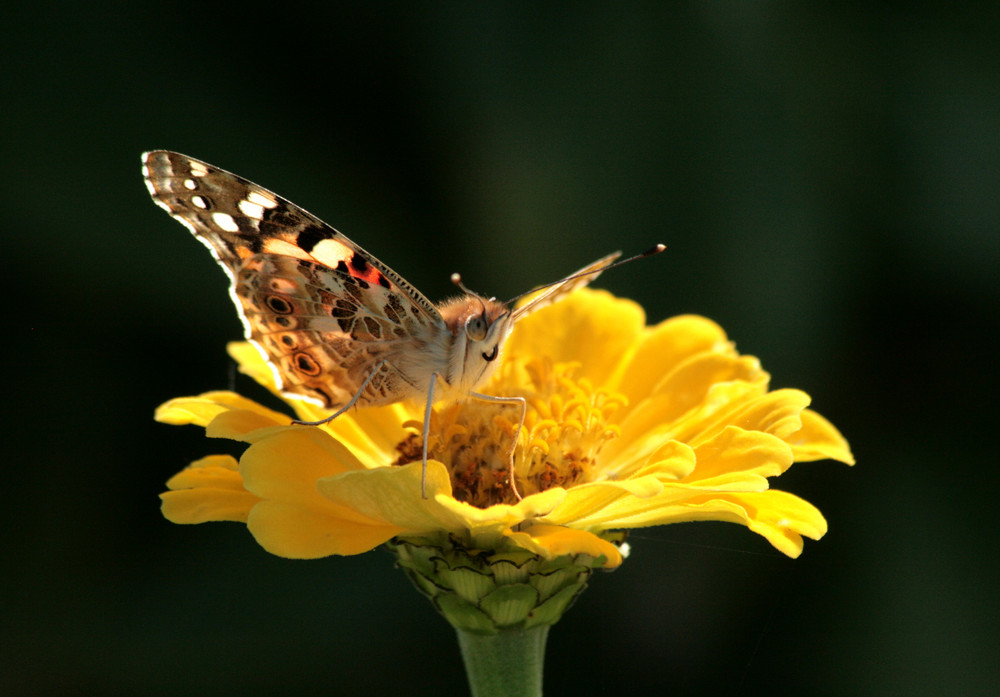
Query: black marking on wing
[{"x": 311, "y": 236}]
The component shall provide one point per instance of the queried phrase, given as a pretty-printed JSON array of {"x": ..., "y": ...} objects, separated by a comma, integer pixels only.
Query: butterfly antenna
[
  {"x": 655, "y": 249},
  {"x": 456, "y": 278}
]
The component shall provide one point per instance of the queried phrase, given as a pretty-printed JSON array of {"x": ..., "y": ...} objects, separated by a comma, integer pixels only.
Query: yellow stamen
[{"x": 565, "y": 427}]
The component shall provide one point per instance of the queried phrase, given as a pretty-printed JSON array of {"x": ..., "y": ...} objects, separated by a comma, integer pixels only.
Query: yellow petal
[
  {"x": 484, "y": 527},
  {"x": 552, "y": 541},
  {"x": 243, "y": 425},
  {"x": 608, "y": 512},
  {"x": 205, "y": 407},
  {"x": 291, "y": 460},
  {"x": 589, "y": 326},
  {"x": 599, "y": 503},
  {"x": 373, "y": 433},
  {"x": 737, "y": 482},
  {"x": 392, "y": 494},
  {"x": 188, "y": 410},
  {"x": 737, "y": 450},
  {"x": 671, "y": 459},
  {"x": 298, "y": 532},
  {"x": 192, "y": 506},
  {"x": 689, "y": 398},
  {"x": 665, "y": 347},
  {"x": 295, "y": 520},
  {"x": 777, "y": 413},
  {"x": 212, "y": 470},
  {"x": 210, "y": 489},
  {"x": 587, "y": 501},
  {"x": 250, "y": 362},
  {"x": 778, "y": 516},
  {"x": 818, "y": 439}
]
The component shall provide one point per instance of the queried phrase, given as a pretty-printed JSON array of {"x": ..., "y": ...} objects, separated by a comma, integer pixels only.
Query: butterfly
[{"x": 337, "y": 326}]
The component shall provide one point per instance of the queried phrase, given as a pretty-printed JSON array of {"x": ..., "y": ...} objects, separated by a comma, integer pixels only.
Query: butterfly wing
[
  {"x": 322, "y": 311},
  {"x": 559, "y": 290}
]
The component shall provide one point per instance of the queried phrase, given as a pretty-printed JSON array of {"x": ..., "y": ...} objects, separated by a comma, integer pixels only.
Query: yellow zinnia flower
[{"x": 627, "y": 426}]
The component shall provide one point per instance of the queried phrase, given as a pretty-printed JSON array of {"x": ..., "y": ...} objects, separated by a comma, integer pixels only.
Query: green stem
[{"x": 508, "y": 664}]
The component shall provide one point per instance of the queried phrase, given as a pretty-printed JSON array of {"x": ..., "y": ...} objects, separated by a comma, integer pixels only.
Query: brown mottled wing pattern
[{"x": 323, "y": 311}]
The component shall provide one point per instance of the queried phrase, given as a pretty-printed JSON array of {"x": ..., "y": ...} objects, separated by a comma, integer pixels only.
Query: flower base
[{"x": 486, "y": 593}]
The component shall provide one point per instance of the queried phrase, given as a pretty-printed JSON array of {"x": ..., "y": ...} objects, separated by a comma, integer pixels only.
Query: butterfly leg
[
  {"x": 521, "y": 402},
  {"x": 427, "y": 432},
  {"x": 351, "y": 403}
]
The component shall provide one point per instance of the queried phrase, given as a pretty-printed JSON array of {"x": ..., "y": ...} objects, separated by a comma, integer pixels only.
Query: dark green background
[{"x": 826, "y": 180}]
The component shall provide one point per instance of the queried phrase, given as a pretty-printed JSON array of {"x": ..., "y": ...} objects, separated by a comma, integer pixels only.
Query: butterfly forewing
[
  {"x": 555, "y": 292},
  {"x": 322, "y": 310}
]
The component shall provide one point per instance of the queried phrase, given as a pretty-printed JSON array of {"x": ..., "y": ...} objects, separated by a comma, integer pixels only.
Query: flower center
[{"x": 566, "y": 424}]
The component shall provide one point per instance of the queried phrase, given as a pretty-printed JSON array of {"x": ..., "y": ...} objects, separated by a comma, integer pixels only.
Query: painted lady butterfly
[{"x": 338, "y": 327}]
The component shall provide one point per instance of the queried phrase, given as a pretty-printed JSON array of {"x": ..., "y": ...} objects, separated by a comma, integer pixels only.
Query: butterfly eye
[{"x": 475, "y": 327}]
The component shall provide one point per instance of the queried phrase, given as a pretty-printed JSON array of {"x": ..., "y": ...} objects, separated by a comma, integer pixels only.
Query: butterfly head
[{"x": 479, "y": 326}]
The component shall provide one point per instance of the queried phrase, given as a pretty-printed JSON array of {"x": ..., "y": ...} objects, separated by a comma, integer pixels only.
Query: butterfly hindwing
[{"x": 321, "y": 309}]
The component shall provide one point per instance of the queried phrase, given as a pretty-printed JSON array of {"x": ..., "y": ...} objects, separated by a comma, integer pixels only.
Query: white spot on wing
[
  {"x": 200, "y": 202},
  {"x": 331, "y": 251},
  {"x": 261, "y": 200},
  {"x": 190, "y": 184},
  {"x": 251, "y": 210},
  {"x": 198, "y": 169},
  {"x": 226, "y": 222}
]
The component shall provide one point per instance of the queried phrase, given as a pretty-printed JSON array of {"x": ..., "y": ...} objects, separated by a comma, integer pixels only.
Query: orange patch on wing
[
  {"x": 284, "y": 248},
  {"x": 359, "y": 267}
]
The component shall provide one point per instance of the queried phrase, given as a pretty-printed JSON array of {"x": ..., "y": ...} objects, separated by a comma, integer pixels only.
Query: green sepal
[{"x": 487, "y": 592}]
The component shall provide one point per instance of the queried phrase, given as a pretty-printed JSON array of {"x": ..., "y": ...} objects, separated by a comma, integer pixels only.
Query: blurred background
[{"x": 826, "y": 180}]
